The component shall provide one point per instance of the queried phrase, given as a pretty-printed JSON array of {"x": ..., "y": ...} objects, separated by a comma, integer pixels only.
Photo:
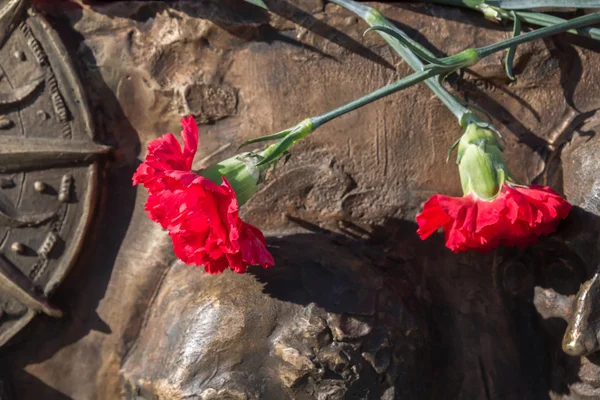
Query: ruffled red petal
[
  {"x": 200, "y": 215},
  {"x": 516, "y": 217},
  {"x": 432, "y": 218},
  {"x": 253, "y": 246},
  {"x": 189, "y": 134}
]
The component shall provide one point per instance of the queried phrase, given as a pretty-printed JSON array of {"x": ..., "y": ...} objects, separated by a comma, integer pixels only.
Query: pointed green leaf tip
[
  {"x": 274, "y": 136},
  {"x": 259, "y": 3},
  {"x": 510, "y": 55},
  {"x": 279, "y": 149}
]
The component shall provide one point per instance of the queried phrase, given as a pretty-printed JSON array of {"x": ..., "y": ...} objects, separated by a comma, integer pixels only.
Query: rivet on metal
[
  {"x": 17, "y": 248},
  {"x": 39, "y": 186},
  {"x": 19, "y": 55},
  {"x": 42, "y": 115}
]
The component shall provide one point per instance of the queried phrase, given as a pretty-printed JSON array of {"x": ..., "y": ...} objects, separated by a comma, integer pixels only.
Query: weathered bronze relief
[
  {"x": 357, "y": 305},
  {"x": 48, "y": 167}
]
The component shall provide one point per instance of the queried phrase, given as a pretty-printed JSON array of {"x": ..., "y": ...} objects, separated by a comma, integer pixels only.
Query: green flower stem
[
  {"x": 532, "y": 18},
  {"x": 376, "y": 95},
  {"x": 267, "y": 153},
  {"x": 431, "y": 71},
  {"x": 307, "y": 126},
  {"x": 549, "y": 20},
  {"x": 539, "y": 33},
  {"x": 374, "y": 18},
  {"x": 527, "y": 4},
  {"x": 467, "y": 57}
]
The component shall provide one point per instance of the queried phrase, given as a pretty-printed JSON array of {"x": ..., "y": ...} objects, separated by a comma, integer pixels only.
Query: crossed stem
[{"x": 429, "y": 73}]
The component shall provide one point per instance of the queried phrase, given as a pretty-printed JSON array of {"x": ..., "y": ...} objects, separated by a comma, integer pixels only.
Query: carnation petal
[
  {"x": 216, "y": 266},
  {"x": 431, "y": 218},
  {"x": 200, "y": 215},
  {"x": 488, "y": 213},
  {"x": 253, "y": 247},
  {"x": 165, "y": 153},
  {"x": 516, "y": 217},
  {"x": 189, "y": 134}
]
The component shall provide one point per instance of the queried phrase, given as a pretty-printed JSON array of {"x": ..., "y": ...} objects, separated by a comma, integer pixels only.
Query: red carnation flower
[
  {"x": 516, "y": 217},
  {"x": 200, "y": 215},
  {"x": 495, "y": 210}
]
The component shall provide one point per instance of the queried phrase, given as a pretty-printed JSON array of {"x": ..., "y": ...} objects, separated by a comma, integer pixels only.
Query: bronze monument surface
[
  {"x": 48, "y": 169},
  {"x": 356, "y": 306}
]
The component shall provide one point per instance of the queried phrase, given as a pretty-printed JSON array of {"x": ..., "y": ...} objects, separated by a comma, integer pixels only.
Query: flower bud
[{"x": 481, "y": 166}]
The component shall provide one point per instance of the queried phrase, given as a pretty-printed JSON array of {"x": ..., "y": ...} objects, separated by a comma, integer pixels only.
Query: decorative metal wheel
[{"x": 48, "y": 167}]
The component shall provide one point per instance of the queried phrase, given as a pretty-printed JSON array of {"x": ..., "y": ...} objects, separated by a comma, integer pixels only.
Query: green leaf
[
  {"x": 533, "y": 18},
  {"x": 286, "y": 157},
  {"x": 547, "y": 20},
  {"x": 525, "y": 4},
  {"x": 465, "y": 58},
  {"x": 274, "y": 136},
  {"x": 510, "y": 54},
  {"x": 259, "y": 3},
  {"x": 487, "y": 116},
  {"x": 281, "y": 148},
  {"x": 441, "y": 78},
  {"x": 375, "y": 18},
  {"x": 412, "y": 45},
  {"x": 491, "y": 127},
  {"x": 451, "y": 149}
]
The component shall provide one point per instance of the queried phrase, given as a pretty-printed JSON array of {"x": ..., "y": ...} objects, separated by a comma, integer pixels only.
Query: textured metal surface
[
  {"x": 357, "y": 302},
  {"x": 47, "y": 167}
]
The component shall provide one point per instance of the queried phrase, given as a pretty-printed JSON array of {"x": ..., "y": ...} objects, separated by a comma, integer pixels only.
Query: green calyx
[
  {"x": 481, "y": 166},
  {"x": 246, "y": 171},
  {"x": 288, "y": 137},
  {"x": 242, "y": 173},
  {"x": 447, "y": 65},
  {"x": 280, "y": 149}
]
